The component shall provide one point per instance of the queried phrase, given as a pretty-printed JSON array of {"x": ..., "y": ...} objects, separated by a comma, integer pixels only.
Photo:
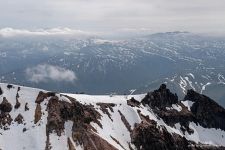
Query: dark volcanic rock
[
  {"x": 5, "y": 120},
  {"x": 1, "y": 92},
  {"x": 41, "y": 96},
  {"x": 38, "y": 114},
  {"x": 104, "y": 107},
  {"x": 5, "y": 106},
  {"x": 26, "y": 108},
  {"x": 9, "y": 86},
  {"x": 147, "y": 136},
  {"x": 17, "y": 105},
  {"x": 172, "y": 117},
  {"x": 204, "y": 111},
  {"x": 19, "y": 119},
  {"x": 133, "y": 102},
  {"x": 160, "y": 98},
  {"x": 207, "y": 112},
  {"x": 81, "y": 115}
]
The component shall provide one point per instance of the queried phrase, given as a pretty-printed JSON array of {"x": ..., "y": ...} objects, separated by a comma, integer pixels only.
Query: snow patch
[{"x": 188, "y": 104}]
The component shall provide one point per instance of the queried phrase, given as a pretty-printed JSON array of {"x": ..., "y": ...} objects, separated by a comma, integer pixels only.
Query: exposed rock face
[
  {"x": 17, "y": 99},
  {"x": 104, "y": 107},
  {"x": 5, "y": 118},
  {"x": 160, "y": 98},
  {"x": 92, "y": 141},
  {"x": 19, "y": 119},
  {"x": 70, "y": 144},
  {"x": 171, "y": 117},
  {"x": 117, "y": 142},
  {"x": 41, "y": 96},
  {"x": 204, "y": 111},
  {"x": 147, "y": 136},
  {"x": 5, "y": 106},
  {"x": 9, "y": 86},
  {"x": 38, "y": 114},
  {"x": 133, "y": 102},
  {"x": 207, "y": 112},
  {"x": 81, "y": 115},
  {"x": 26, "y": 108},
  {"x": 1, "y": 92}
]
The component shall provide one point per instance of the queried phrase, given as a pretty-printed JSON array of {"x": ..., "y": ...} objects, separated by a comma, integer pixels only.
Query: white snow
[
  {"x": 190, "y": 74},
  {"x": 68, "y": 128},
  {"x": 188, "y": 104},
  {"x": 183, "y": 84},
  {"x": 175, "y": 106},
  {"x": 205, "y": 135},
  {"x": 204, "y": 86},
  {"x": 58, "y": 142}
]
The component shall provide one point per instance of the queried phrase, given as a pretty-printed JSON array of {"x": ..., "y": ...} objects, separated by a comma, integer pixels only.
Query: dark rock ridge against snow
[{"x": 38, "y": 119}]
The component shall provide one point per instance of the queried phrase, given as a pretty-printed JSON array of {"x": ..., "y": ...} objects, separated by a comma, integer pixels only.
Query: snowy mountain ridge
[{"x": 37, "y": 119}]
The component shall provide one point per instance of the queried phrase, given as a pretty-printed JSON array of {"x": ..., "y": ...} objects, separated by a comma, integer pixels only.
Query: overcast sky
[{"x": 204, "y": 16}]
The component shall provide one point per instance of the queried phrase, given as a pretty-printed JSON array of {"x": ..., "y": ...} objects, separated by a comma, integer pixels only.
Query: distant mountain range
[{"x": 98, "y": 66}]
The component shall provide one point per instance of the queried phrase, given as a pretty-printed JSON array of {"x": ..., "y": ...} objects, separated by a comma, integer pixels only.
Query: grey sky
[{"x": 207, "y": 16}]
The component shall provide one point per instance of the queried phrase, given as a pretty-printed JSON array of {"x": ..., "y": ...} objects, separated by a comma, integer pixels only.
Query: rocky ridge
[{"x": 157, "y": 120}]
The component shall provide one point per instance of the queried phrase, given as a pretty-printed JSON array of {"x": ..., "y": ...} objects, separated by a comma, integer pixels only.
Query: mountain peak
[{"x": 160, "y": 98}]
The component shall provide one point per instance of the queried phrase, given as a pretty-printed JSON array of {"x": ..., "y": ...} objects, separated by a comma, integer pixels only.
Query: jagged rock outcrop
[
  {"x": 133, "y": 102},
  {"x": 1, "y": 92},
  {"x": 5, "y": 120},
  {"x": 41, "y": 96},
  {"x": 147, "y": 136},
  {"x": 9, "y": 86},
  {"x": 81, "y": 115},
  {"x": 157, "y": 121},
  {"x": 5, "y": 106},
  {"x": 104, "y": 108},
  {"x": 160, "y": 98},
  {"x": 26, "y": 108},
  {"x": 19, "y": 119},
  {"x": 17, "y": 99},
  {"x": 5, "y": 117},
  {"x": 206, "y": 111},
  {"x": 37, "y": 114}
]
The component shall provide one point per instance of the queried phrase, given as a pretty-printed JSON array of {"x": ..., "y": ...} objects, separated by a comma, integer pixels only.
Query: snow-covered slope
[{"x": 36, "y": 119}]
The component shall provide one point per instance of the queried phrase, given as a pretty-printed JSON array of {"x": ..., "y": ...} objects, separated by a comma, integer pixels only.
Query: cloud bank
[
  {"x": 106, "y": 15},
  {"x": 46, "y": 72},
  {"x": 10, "y": 32}
]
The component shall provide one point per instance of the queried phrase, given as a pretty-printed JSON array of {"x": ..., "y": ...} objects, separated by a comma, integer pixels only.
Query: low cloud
[
  {"x": 45, "y": 72},
  {"x": 10, "y": 32}
]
